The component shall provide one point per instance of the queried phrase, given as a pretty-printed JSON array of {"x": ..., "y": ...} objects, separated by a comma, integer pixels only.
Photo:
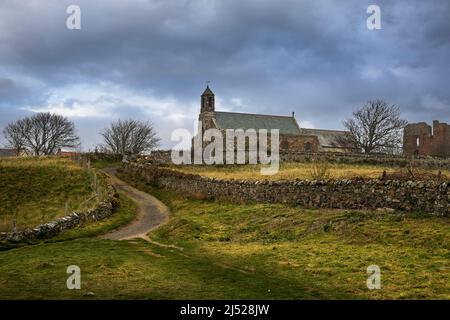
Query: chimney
[{"x": 293, "y": 114}]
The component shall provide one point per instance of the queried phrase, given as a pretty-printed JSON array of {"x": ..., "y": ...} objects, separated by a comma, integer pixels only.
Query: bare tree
[
  {"x": 14, "y": 138},
  {"x": 42, "y": 133},
  {"x": 130, "y": 137},
  {"x": 376, "y": 127}
]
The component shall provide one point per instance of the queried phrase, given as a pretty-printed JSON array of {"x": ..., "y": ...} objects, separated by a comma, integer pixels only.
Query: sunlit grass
[
  {"x": 291, "y": 171},
  {"x": 212, "y": 250},
  {"x": 35, "y": 190},
  {"x": 328, "y": 249}
]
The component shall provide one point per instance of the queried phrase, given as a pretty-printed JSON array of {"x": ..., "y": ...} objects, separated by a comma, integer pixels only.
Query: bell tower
[
  {"x": 205, "y": 118},
  {"x": 207, "y": 101}
]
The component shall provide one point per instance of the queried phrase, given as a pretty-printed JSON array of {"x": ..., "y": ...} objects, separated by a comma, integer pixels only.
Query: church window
[
  {"x": 308, "y": 147},
  {"x": 284, "y": 144}
]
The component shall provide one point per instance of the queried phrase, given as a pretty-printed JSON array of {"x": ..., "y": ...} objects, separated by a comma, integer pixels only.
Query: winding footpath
[{"x": 151, "y": 214}]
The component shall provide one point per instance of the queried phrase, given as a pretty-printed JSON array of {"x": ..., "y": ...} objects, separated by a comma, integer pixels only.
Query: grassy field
[
  {"x": 101, "y": 163},
  {"x": 213, "y": 250},
  {"x": 37, "y": 190},
  {"x": 292, "y": 171}
]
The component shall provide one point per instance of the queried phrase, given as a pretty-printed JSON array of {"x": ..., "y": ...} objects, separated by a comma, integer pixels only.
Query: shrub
[
  {"x": 327, "y": 227},
  {"x": 320, "y": 170}
]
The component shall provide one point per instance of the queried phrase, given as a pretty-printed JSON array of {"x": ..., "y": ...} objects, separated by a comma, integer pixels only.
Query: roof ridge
[
  {"x": 207, "y": 91},
  {"x": 256, "y": 114},
  {"x": 330, "y": 130}
]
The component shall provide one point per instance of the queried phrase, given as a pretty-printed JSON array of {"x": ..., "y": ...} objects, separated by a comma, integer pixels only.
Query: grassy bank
[
  {"x": 329, "y": 250},
  {"x": 212, "y": 250},
  {"x": 37, "y": 190}
]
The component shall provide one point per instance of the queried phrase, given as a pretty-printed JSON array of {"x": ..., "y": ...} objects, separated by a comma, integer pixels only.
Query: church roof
[
  {"x": 207, "y": 92},
  {"x": 327, "y": 138},
  {"x": 234, "y": 120}
]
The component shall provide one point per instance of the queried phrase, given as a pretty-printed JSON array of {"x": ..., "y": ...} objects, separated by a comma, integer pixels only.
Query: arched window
[{"x": 308, "y": 147}]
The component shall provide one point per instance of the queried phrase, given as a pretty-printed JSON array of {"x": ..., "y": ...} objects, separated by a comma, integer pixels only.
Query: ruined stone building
[
  {"x": 420, "y": 139},
  {"x": 292, "y": 137}
]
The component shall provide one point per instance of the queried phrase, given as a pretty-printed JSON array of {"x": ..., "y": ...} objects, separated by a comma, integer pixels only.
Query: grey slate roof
[
  {"x": 234, "y": 120},
  {"x": 207, "y": 92},
  {"x": 7, "y": 153},
  {"x": 327, "y": 138}
]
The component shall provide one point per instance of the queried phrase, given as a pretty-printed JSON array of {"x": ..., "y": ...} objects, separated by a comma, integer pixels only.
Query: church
[{"x": 292, "y": 136}]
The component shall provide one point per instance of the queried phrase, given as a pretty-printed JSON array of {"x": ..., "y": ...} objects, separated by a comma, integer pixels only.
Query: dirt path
[{"x": 151, "y": 214}]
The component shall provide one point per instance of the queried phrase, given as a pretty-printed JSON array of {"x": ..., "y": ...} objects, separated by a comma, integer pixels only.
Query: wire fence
[{"x": 17, "y": 220}]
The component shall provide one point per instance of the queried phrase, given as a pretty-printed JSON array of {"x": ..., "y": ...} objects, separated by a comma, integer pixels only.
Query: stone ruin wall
[{"x": 420, "y": 139}]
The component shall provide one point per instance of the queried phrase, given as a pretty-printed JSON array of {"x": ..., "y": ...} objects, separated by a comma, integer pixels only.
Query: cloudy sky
[{"x": 150, "y": 59}]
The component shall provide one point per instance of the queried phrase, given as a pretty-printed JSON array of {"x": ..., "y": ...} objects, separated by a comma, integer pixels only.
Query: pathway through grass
[{"x": 211, "y": 250}]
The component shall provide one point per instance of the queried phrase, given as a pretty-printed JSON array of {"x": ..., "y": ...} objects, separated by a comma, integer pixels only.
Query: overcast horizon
[{"x": 150, "y": 60}]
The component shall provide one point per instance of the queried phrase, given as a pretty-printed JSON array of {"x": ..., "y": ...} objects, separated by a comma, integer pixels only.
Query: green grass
[
  {"x": 330, "y": 248},
  {"x": 132, "y": 270},
  {"x": 105, "y": 163},
  {"x": 35, "y": 190},
  {"x": 102, "y": 160},
  {"x": 213, "y": 250}
]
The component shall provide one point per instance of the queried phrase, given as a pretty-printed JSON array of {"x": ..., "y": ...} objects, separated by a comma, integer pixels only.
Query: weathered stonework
[
  {"x": 164, "y": 157},
  {"x": 367, "y": 159},
  {"x": 305, "y": 143},
  {"x": 292, "y": 137},
  {"x": 428, "y": 196},
  {"x": 419, "y": 139}
]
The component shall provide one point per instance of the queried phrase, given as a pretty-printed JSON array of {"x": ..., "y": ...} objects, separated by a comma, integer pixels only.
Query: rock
[
  {"x": 88, "y": 294},
  {"x": 390, "y": 210}
]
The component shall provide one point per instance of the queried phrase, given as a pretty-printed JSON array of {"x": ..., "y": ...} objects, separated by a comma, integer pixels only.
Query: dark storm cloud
[{"x": 316, "y": 58}]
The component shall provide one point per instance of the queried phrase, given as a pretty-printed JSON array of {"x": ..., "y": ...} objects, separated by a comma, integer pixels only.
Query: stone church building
[{"x": 292, "y": 137}]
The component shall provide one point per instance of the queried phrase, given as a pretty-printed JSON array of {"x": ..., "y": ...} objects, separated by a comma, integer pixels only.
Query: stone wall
[
  {"x": 157, "y": 157},
  {"x": 368, "y": 159},
  {"x": 164, "y": 157},
  {"x": 103, "y": 210},
  {"x": 428, "y": 196},
  {"x": 307, "y": 143}
]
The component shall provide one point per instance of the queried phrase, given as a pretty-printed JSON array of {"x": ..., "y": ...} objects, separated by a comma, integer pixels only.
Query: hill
[{"x": 38, "y": 190}]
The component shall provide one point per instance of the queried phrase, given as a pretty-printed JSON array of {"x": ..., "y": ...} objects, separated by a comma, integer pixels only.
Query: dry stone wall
[
  {"x": 428, "y": 196},
  {"x": 103, "y": 210},
  {"x": 369, "y": 159},
  {"x": 164, "y": 157}
]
